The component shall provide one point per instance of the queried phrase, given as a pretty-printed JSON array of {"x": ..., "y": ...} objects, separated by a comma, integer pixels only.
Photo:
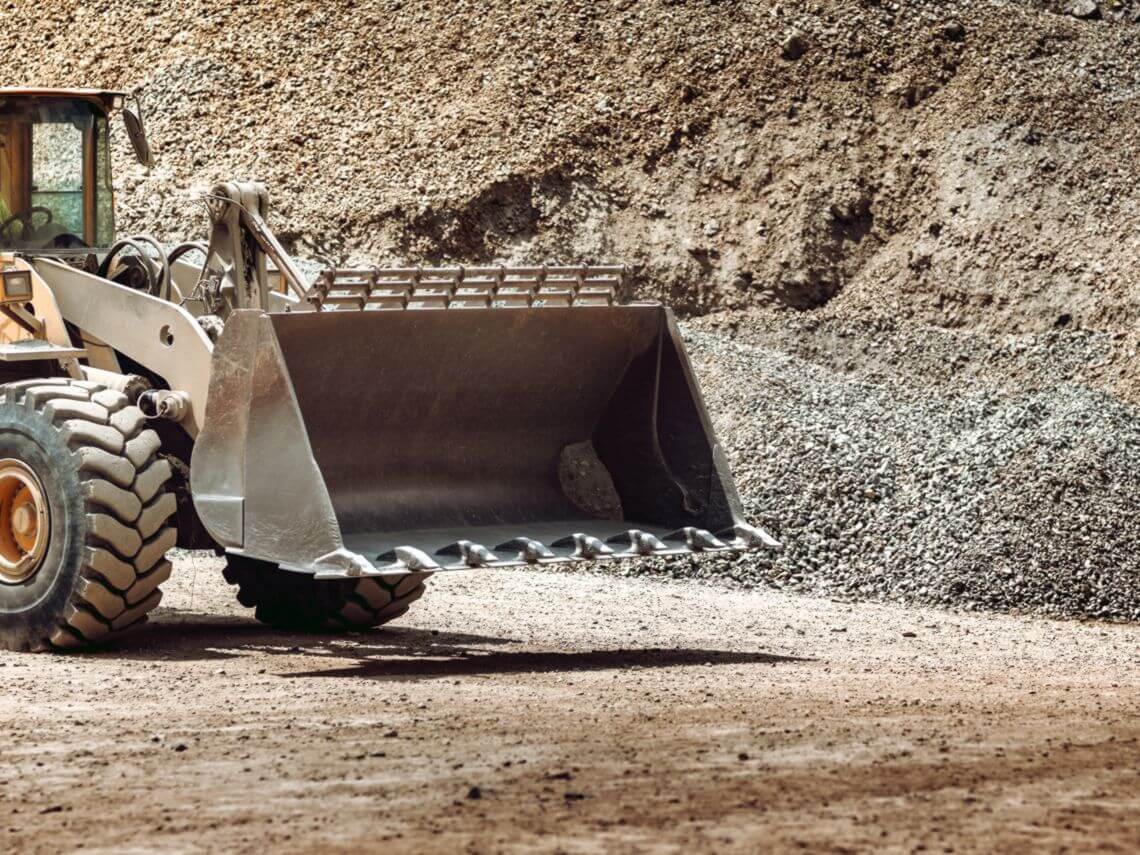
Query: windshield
[{"x": 55, "y": 177}]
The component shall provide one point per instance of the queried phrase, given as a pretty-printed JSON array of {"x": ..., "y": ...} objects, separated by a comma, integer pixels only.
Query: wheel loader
[{"x": 338, "y": 436}]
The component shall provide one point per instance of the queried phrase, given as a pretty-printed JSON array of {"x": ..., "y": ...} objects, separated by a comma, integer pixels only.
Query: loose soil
[{"x": 578, "y": 713}]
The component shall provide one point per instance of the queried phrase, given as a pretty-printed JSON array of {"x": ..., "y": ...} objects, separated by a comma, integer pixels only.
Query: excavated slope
[{"x": 956, "y": 162}]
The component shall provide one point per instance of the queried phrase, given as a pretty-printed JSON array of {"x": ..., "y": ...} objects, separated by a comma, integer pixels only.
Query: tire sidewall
[{"x": 31, "y": 609}]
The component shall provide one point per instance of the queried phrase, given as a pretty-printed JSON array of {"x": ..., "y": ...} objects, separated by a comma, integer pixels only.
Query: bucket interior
[{"x": 430, "y": 427}]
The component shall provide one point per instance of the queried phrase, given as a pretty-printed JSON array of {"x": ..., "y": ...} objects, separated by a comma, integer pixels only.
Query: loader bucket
[{"x": 348, "y": 443}]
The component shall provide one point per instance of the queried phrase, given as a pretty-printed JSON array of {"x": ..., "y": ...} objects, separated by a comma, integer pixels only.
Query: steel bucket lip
[{"x": 424, "y": 551}]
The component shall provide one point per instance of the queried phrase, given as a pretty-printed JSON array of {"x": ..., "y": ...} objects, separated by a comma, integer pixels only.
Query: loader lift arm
[{"x": 240, "y": 241}]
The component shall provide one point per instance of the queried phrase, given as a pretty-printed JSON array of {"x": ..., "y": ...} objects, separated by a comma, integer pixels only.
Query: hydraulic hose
[
  {"x": 163, "y": 286},
  {"x": 158, "y": 272}
]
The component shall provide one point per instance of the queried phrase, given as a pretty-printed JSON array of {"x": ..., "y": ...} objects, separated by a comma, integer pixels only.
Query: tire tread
[
  {"x": 294, "y": 601},
  {"x": 122, "y": 481}
]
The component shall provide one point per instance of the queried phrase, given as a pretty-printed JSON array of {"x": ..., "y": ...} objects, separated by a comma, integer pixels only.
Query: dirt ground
[{"x": 577, "y": 713}]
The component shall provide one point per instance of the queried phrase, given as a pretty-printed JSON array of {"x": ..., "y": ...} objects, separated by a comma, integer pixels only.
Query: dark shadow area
[
  {"x": 469, "y": 663},
  {"x": 194, "y": 637},
  {"x": 396, "y": 653}
]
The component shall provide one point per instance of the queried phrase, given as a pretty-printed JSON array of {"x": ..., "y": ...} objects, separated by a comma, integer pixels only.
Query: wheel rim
[{"x": 23, "y": 522}]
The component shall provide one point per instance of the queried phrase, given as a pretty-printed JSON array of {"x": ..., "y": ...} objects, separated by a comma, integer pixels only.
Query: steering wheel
[{"x": 25, "y": 217}]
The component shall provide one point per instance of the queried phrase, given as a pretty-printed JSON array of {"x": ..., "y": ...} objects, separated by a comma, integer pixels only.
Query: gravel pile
[{"x": 940, "y": 487}]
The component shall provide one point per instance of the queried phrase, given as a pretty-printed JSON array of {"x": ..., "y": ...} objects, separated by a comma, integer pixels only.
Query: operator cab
[{"x": 55, "y": 169}]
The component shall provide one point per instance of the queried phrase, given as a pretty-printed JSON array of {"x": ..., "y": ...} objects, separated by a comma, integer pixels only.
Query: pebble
[
  {"x": 793, "y": 47},
  {"x": 1084, "y": 9},
  {"x": 953, "y": 31}
]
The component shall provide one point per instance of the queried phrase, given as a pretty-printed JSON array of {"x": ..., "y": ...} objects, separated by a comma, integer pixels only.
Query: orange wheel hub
[{"x": 24, "y": 525}]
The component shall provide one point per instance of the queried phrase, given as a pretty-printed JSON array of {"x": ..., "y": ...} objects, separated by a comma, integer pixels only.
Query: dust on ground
[{"x": 577, "y": 712}]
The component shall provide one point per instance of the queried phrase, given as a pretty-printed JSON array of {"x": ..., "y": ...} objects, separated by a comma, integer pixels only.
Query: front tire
[
  {"x": 79, "y": 460},
  {"x": 296, "y": 601}
]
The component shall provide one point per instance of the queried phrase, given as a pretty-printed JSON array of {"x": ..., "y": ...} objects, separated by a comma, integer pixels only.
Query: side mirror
[{"x": 136, "y": 131}]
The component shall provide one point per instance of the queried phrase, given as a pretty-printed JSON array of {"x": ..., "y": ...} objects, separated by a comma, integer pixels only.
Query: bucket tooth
[
  {"x": 410, "y": 557},
  {"x": 640, "y": 542},
  {"x": 529, "y": 550},
  {"x": 341, "y": 564},
  {"x": 585, "y": 546},
  {"x": 697, "y": 539},
  {"x": 750, "y": 537},
  {"x": 472, "y": 554}
]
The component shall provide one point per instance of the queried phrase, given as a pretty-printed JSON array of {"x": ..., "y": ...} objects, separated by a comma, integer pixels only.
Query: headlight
[{"x": 17, "y": 286}]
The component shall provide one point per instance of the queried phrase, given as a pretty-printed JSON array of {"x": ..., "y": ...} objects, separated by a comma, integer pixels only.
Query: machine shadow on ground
[
  {"x": 461, "y": 662},
  {"x": 396, "y": 653}
]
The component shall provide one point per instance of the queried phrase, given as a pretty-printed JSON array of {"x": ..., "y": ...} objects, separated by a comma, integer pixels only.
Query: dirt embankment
[
  {"x": 959, "y": 163},
  {"x": 919, "y": 220}
]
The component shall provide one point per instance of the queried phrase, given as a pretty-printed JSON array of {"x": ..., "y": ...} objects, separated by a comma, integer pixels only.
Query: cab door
[{"x": 15, "y": 166}]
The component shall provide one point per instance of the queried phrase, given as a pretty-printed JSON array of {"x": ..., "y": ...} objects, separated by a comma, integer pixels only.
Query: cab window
[
  {"x": 55, "y": 190},
  {"x": 57, "y": 173}
]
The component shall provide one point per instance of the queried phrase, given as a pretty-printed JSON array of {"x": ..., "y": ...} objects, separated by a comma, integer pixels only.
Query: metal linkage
[{"x": 500, "y": 287}]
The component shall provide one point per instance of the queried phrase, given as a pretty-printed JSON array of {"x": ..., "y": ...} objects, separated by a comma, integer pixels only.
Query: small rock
[
  {"x": 1084, "y": 9},
  {"x": 793, "y": 47},
  {"x": 474, "y": 793},
  {"x": 953, "y": 31}
]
